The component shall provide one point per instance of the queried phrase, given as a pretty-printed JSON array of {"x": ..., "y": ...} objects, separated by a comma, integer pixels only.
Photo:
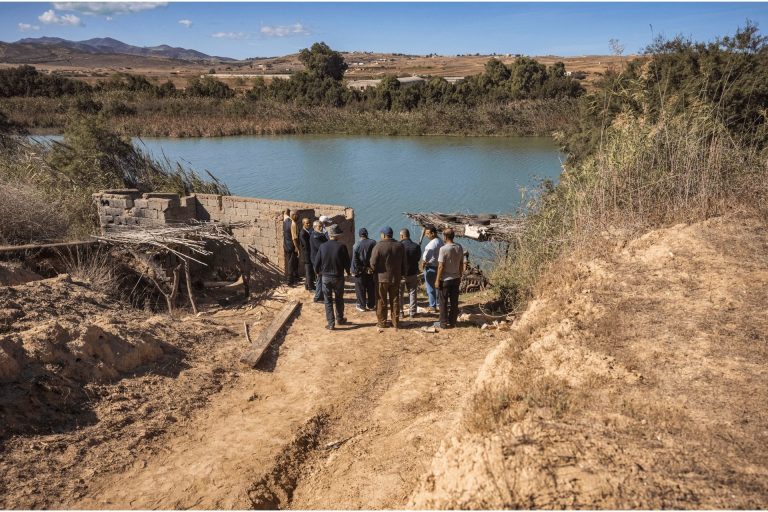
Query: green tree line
[{"x": 320, "y": 83}]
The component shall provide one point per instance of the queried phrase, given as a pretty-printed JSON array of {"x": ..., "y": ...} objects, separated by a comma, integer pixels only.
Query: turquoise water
[{"x": 380, "y": 177}]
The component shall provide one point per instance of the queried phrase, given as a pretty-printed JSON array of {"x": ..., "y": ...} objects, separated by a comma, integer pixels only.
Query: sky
[{"x": 242, "y": 30}]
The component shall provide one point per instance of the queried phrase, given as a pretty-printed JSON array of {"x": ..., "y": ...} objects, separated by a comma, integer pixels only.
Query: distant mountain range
[{"x": 38, "y": 49}]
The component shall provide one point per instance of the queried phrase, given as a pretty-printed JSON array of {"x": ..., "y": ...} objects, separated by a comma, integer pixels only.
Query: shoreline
[{"x": 219, "y": 118}]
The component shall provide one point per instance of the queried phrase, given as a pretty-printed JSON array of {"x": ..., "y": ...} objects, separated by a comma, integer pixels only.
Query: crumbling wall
[
  {"x": 129, "y": 207},
  {"x": 264, "y": 235}
]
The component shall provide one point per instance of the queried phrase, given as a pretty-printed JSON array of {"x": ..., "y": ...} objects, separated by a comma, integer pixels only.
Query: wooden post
[
  {"x": 188, "y": 278},
  {"x": 252, "y": 356}
]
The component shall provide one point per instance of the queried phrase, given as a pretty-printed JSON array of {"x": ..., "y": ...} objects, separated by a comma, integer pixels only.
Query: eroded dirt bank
[
  {"x": 345, "y": 419},
  {"x": 636, "y": 380}
]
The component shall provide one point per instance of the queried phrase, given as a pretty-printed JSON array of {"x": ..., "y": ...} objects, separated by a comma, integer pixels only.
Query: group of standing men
[{"x": 383, "y": 271}]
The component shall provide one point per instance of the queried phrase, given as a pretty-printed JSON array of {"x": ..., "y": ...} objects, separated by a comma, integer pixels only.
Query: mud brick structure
[{"x": 264, "y": 236}]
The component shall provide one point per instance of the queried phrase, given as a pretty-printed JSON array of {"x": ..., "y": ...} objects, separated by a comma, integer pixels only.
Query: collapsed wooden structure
[
  {"x": 482, "y": 227},
  {"x": 161, "y": 252}
]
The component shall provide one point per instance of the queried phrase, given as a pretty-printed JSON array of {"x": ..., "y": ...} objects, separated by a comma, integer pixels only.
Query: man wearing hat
[
  {"x": 365, "y": 286},
  {"x": 388, "y": 262},
  {"x": 331, "y": 262}
]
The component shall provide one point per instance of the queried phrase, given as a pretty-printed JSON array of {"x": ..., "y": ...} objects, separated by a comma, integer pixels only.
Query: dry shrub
[
  {"x": 684, "y": 168},
  {"x": 27, "y": 215},
  {"x": 95, "y": 267}
]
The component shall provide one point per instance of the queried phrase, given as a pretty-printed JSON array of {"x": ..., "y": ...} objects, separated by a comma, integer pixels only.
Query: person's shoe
[
  {"x": 329, "y": 327},
  {"x": 362, "y": 310},
  {"x": 438, "y": 325},
  {"x": 341, "y": 321}
]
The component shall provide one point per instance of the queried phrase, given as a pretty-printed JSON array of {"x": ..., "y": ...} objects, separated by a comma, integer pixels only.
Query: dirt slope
[
  {"x": 636, "y": 380},
  {"x": 348, "y": 418}
]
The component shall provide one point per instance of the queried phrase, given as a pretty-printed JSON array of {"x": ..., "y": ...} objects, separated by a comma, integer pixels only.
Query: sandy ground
[
  {"x": 343, "y": 419},
  {"x": 637, "y": 379}
]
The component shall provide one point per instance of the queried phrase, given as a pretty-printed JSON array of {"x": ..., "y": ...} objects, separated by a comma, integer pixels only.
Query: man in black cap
[
  {"x": 388, "y": 262},
  {"x": 365, "y": 287},
  {"x": 331, "y": 262}
]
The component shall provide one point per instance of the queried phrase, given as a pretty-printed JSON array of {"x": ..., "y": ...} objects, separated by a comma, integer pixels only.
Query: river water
[{"x": 380, "y": 177}]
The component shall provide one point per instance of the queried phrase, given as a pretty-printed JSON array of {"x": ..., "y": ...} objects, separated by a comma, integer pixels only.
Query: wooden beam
[
  {"x": 37, "y": 247},
  {"x": 252, "y": 356}
]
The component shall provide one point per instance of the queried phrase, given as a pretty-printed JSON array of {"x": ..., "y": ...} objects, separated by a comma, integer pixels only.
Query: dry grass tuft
[
  {"x": 97, "y": 268},
  {"x": 28, "y": 215}
]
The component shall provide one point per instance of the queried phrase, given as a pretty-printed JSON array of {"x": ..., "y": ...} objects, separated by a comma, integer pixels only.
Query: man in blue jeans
[
  {"x": 332, "y": 262},
  {"x": 429, "y": 262}
]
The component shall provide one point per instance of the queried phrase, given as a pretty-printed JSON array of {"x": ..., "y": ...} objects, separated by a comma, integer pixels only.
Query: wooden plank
[
  {"x": 35, "y": 247},
  {"x": 259, "y": 346}
]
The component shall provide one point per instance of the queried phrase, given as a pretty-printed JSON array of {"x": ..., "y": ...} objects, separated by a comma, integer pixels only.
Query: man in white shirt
[
  {"x": 429, "y": 263},
  {"x": 449, "y": 270}
]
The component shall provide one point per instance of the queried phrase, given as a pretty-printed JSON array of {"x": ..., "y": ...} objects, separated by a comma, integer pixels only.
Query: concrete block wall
[
  {"x": 265, "y": 233},
  {"x": 128, "y": 207}
]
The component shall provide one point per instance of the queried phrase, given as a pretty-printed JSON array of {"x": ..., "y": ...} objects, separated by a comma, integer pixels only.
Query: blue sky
[{"x": 267, "y": 29}]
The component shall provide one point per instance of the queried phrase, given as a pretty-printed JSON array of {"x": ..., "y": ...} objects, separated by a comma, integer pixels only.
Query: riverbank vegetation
[
  {"x": 524, "y": 98},
  {"x": 676, "y": 137},
  {"x": 46, "y": 188}
]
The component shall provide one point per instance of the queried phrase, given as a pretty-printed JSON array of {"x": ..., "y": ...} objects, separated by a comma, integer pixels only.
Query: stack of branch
[
  {"x": 483, "y": 227},
  {"x": 184, "y": 240},
  {"x": 184, "y": 243}
]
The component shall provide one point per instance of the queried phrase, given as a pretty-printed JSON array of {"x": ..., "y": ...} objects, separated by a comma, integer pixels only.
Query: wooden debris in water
[{"x": 482, "y": 227}]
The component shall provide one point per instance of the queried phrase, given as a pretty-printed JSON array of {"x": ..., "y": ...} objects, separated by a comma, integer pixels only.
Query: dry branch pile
[
  {"x": 174, "y": 239},
  {"x": 162, "y": 251}
]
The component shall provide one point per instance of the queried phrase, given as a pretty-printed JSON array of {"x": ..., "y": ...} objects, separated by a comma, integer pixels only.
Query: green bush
[{"x": 677, "y": 137}]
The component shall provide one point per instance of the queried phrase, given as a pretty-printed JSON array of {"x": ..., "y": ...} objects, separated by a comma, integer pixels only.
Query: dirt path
[{"x": 341, "y": 419}]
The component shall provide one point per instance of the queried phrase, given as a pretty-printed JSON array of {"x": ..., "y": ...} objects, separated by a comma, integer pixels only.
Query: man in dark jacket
[
  {"x": 289, "y": 250},
  {"x": 306, "y": 254},
  {"x": 331, "y": 262},
  {"x": 411, "y": 275},
  {"x": 316, "y": 239},
  {"x": 365, "y": 286},
  {"x": 388, "y": 262}
]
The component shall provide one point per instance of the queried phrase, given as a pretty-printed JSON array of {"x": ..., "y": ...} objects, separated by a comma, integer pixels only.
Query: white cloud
[
  {"x": 230, "y": 35},
  {"x": 297, "y": 29},
  {"x": 186, "y": 23},
  {"x": 50, "y": 17},
  {"x": 25, "y": 27},
  {"x": 107, "y": 9}
]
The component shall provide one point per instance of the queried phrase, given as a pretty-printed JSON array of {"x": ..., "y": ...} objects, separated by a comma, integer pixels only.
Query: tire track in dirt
[{"x": 381, "y": 395}]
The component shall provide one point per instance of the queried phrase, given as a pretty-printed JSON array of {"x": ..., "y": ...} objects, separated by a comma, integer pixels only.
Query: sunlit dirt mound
[
  {"x": 635, "y": 380},
  {"x": 57, "y": 337}
]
